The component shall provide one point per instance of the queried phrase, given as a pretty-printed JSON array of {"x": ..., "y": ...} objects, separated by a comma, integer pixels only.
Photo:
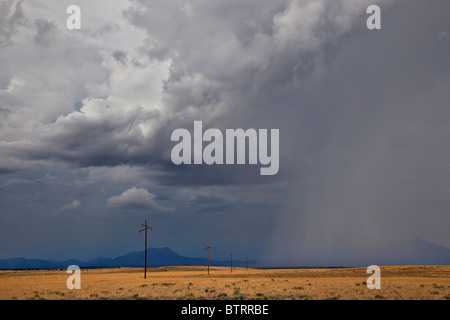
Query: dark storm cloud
[
  {"x": 120, "y": 56},
  {"x": 107, "y": 138},
  {"x": 379, "y": 158},
  {"x": 228, "y": 67},
  {"x": 105, "y": 29},
  {"x": 11, "y": 16},
  {"x": 45, "y": 33},
  {"x": 363, "y": 117}
]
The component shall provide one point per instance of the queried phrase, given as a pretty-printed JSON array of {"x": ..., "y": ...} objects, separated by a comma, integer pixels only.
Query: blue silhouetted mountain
[
  {"x": 22, "y": 263},
  {"x": 416, "y": 252},
  {"x": 420, "y": 252},
  {"x": 156, "y": 257}
]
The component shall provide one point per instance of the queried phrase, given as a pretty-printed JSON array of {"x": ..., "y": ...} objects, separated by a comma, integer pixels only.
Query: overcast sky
[{"x": 86, "y": 118}]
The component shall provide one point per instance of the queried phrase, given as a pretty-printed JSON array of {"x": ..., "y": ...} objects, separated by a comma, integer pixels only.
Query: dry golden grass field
[{"x": 170, "y": 283}]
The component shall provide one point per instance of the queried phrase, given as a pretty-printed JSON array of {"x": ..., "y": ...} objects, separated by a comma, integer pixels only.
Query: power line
[
  {"x": 19, "y": 209},
  {"x": 98, "y": 204},
  {"x": 55, "y": 188},
  {"x": 72, "y": 218},
  {"x": 37, "y": 181},
  {"x": 23, "y": 196},
  {"x": 89, "y": 219},
  {"x": 46, "y": 203}
]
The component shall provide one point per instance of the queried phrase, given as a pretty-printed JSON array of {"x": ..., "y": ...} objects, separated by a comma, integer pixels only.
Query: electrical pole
[
  {"x": 145, "y": 228},
  {"x": 207, "y": 253},
  {"x": 231, "y": 260},
  {"x": 246, "y": 263}
]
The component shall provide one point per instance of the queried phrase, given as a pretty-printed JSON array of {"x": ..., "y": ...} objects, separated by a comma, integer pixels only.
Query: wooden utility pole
[
  {"x": 246, "y": 263},
  {"x": 145, "y": 228},
  {"x": 231, "y": 261},
  {"x": 207, "y": 253}
]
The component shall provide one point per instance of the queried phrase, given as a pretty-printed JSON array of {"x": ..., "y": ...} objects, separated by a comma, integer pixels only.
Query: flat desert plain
[{"x": 171, "y": 283}]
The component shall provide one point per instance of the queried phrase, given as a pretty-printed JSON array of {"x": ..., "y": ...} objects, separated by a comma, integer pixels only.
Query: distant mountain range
[
  {"x": 156, "y": 257},
  {"x": 417, "y": 252},
  {"x": 420, "y": 252}
]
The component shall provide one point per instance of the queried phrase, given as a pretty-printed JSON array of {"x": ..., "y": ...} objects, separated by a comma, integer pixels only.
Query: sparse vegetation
[
  {"x": 437, "y": 287},
  {"x": 434, "y": 292},
  {"x": 222, "y": 295},
  {"x": 166, "y": 284},
  {"x": 405, "y": 282},
  {"x": 56, "y": 292}
]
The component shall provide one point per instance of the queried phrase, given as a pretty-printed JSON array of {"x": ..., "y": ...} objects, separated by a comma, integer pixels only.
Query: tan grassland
[{"x": 170, "y": 283}]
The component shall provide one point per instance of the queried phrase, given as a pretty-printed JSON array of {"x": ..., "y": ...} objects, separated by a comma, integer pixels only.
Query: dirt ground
[{"x": 170, "y": 283}]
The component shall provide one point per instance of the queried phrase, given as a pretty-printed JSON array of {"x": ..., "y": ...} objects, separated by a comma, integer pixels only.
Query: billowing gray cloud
[
  {"x": 250, "y": 62},
  {"x": 135, "y": 198},
  {"x": 71, "y": 206},
  {"x": 11, "y": 16},
  {"x": 120, "y": 56},
  {"x": 45, "y": 33}
]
